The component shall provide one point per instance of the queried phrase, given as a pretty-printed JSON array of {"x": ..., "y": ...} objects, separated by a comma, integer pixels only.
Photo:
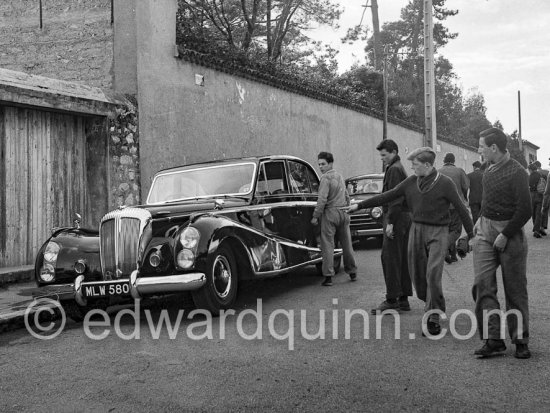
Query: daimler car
[
  {"x": 365, "y": 223},
  {"x": 204, "y": 228}
]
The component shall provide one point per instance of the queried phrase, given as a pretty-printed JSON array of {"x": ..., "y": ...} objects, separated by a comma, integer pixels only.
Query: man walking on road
[
  {"x": 332, "y": 203},
  {"x": 476, "y": 190},
  {"x": 397, "y": 222},
  {"x": 429, "y": 195},
  {"x": 458, "y": 176},
  {"x": 500, "y": 241}
]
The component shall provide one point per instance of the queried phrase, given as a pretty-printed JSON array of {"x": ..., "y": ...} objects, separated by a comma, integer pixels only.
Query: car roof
[
  {"x": 366, "y": 176},
  {"x": 254, "y": 159}
]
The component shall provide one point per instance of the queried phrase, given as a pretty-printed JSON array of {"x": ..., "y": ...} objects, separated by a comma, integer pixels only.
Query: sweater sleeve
[
  {"x": 453, "y": 197},
  {"x": 522, "y": 200},
  {"x": 385, "y": 198},
  {"x": 393, "y": 178},
  {"x": 323, "y": 196}
]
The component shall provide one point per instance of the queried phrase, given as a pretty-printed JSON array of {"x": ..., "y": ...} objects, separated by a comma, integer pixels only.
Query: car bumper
[
  {"x": 367, "y": 232},
  {"x": 139, "y": 287}
]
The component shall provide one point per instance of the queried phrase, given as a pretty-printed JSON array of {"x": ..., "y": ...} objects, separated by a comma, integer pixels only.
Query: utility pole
[
  {"x": 520, "y": 139},
  {"x": 385, "y": 83},
  {"x": 429, "y": 78}
]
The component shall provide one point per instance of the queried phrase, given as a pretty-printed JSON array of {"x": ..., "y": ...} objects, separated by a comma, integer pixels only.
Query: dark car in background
[
  {"x": 365, "y": 223},
  {"x": 204, "y": 228}
]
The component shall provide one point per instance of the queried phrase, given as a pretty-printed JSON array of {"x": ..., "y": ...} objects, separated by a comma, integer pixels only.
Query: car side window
[
  {"x": 272, "y": 179},
  {"x": 299, "y": 179},
  {"x": 313, "y": 180}
]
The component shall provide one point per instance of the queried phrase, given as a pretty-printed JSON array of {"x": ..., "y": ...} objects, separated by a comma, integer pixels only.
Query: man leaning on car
[{"x": 331, "y": 208}]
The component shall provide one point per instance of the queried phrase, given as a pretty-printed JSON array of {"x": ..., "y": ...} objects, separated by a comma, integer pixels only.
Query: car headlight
[
  {"x": 189, "y": 238},
  {"x": 51, "y": 252},
  {"x": 47, "y": 273},
  {"x": 376, "y": 212},
  {"x": 186, "y": 258},
  {"x": 155, "y": 259}
]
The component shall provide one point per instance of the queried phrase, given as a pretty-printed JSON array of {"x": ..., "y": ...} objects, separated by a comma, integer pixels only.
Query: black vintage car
[
  {"x": 365, "y": 223},
  {"x": 204, "y": 228}
]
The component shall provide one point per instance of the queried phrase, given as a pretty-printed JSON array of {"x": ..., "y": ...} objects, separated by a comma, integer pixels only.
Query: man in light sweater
[
  {"x": 331, "y": 205},
  {"x": 500, "y": 241},
  {"x": 429, "y": 195}
]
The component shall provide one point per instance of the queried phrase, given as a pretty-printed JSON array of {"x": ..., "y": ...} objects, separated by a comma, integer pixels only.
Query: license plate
[{"x": 106, "y": 289}]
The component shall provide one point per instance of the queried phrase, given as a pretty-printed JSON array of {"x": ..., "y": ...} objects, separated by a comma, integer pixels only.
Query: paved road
[{"x": 75, "y": 373}]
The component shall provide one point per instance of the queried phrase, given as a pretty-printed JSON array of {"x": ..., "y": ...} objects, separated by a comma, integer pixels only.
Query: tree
[{"x": 271, "y": 30}]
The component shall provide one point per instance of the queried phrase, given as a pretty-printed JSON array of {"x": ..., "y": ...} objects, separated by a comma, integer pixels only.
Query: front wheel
[{"x": 220, "y": 290}]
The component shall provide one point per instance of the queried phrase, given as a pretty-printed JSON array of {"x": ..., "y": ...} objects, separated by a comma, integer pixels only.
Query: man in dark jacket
[
  {"x": 500, "y": 241},
  {"x": 428, "y": 195},
  {"x": 397, "y": 222},
  {"x": 476, "y": 190},
  {"x": 462, "y": 183},
  {"x": 536, "y": 200}
]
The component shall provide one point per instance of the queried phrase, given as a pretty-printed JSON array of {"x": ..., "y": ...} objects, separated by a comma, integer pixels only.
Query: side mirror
[{"x": 77, "y": 220}]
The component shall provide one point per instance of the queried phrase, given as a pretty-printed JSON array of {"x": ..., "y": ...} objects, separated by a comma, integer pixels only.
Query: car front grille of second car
[{"x": 120, "y": 234}]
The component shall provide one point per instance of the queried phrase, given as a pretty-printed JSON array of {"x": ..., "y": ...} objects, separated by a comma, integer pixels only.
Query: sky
[{"x": 503, "y": 46}]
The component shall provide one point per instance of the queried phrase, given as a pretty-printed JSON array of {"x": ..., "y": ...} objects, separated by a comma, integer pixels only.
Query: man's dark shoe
[
  {"x": 353, "y": 276},
  {"x": 537, "y": 234},
  {"x": 448, "y": 259},
  {"x": 385, "y": 305},
  {"x": 327, "y": 282},
  {"x": 542, "y": 232},
  {"x": 454, "y": 258},
  {"x": 491, "y": 348},
  {"x": 433, "y": 329},
  {"x": 522, "y": 351},
  {"x": 404, "y": 305}
]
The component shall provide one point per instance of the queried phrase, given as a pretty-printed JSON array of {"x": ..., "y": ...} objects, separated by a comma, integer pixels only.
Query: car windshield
[
  {"x": 364, "y": 186},
  {"x": 202, "y": 182}
]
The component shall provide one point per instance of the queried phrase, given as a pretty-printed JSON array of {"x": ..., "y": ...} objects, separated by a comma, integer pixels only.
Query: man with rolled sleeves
[
  {"x": 500, "y": 242},
  {"x": 332, "y": 203},
  {"x": 428, "y": 195}
]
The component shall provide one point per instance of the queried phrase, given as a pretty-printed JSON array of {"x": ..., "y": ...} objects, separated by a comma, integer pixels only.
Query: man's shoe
[
  {"x": 327, "y": 282},
  {"x": 433, "y": 329},
  {"x": 448, "y": 259},
  {"x": 353, "y": 276},
  {"x": 385, "y": 305},
  {"x": 522, "y": 351},
  {"x": 537, "y": 234},
  {"x": 491, "y": 348},
  {"x": 404, "y": 305},
  {"x": 454, "y": 258},
  {"x": 542, "y": 232}
]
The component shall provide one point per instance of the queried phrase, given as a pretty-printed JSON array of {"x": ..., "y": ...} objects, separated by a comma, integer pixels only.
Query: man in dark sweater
[
  {"x": 500, "y": 241},
  {"x": 476, "y": 190},
  {"x": 536, "y": 199},
  {"x": 397, "y": 221},
  {"x": 429, "y": 195},
  {"x": 460, "y": 179}
]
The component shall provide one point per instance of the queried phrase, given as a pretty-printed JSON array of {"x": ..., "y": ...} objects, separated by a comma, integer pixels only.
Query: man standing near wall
[
  {"x": 476, "y": 190},
  {"x": 331, "y": 205},
  {"x": 543, "y": 224},
  {"x": 458, "y": 176},
  {"x": 428, "y": 195},
  {"x": 536, "y": 200},
  {"x": 397, "y": 222},
  {"x": 500, "y": 241}
]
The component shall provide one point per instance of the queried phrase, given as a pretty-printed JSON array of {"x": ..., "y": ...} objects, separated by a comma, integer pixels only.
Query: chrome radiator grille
[{"x": 120, "y": 233}]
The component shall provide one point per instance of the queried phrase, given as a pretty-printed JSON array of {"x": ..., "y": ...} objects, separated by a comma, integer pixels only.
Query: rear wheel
[{"x": 220, "y": 290}]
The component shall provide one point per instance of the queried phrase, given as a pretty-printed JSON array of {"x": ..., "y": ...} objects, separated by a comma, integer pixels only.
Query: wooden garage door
[{"x": 43, "y": 176}]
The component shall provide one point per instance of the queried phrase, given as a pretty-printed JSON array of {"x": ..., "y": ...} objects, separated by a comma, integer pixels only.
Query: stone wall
[
  {"x": 124, "y": 157},
  {"x": 75, "y": 42}
]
